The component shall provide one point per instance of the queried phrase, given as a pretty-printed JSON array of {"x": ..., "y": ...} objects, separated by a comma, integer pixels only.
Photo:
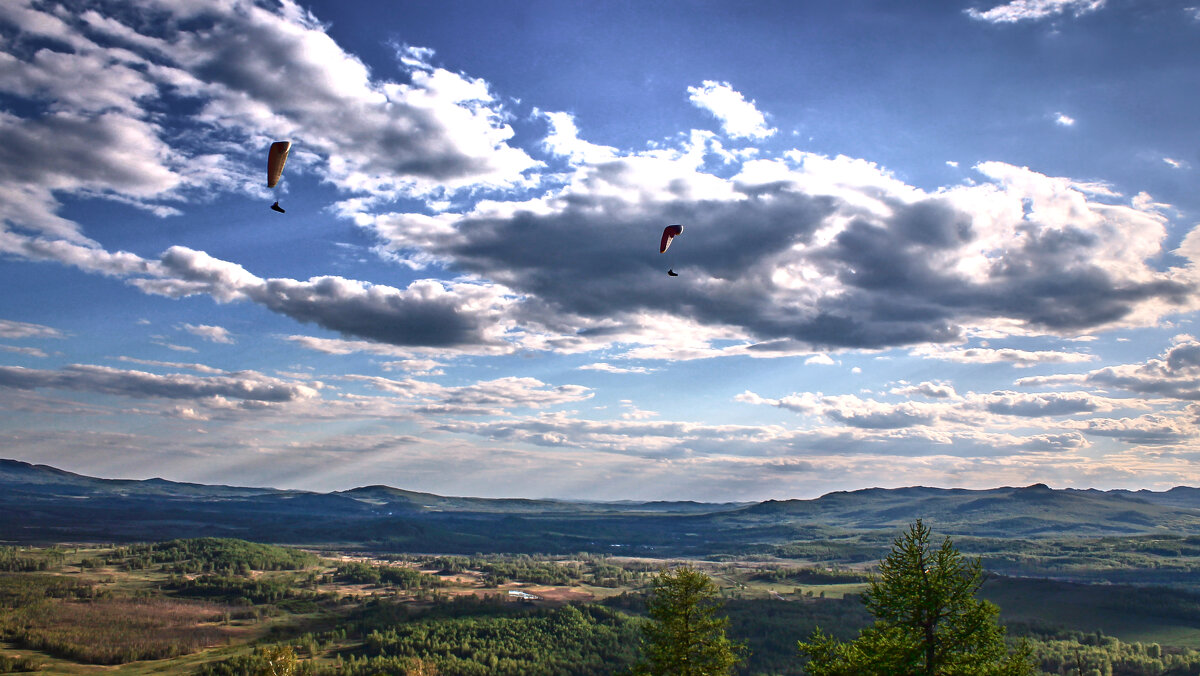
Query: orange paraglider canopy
[
  {"x": 669, "y": 233},
  {"x": 276, "y": 158}
]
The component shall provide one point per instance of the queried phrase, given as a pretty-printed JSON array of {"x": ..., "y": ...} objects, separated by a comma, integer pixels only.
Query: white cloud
[
  {"x": 202, "y": 368},
  {"x": 215, "y": 334},
  {"x": 340, "y": 346},
  {"x": 1040, "y": 404},
  {"x": 428, "y": 313},
  {"x": 483, "y": 398},
  {"x": 1033, "y": 10},
  {"x": 880, "y": 242},
  {"x": 1064, "y": 120},
  {"x": 739, "y": 117},
  {"x": 245, "y": 385},
  {"x": 173, "y": 346},
  {"x": 1175, "y": 374},
  {"x": 933, "y": 390},
  {"x": 851, "y": 410},
  {"x": 254, "y": 74},
  {"x": 610, "y": 368},
  {"x": 948, "y": 415},
  {"x": 563, "y": 140},
  {"x": 1018, "y": 358},
  {"x": 1150, "y": 429},
  {"x": 422, "y": 367},
  {"x": 13, "y": 329},
  {"x": 27, "y": 351}
]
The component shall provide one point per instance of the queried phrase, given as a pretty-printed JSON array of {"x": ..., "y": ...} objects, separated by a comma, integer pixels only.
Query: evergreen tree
[
  {"x": 685, "y": 637},
  {"x": 928, "y": 621}
]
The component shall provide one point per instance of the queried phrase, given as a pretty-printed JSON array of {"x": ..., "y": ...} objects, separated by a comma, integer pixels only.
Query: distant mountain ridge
[
  {"x": 1038, "y": 509},
  {"x": 18, "y": 472},
  {"x": 39, "y": 503}
]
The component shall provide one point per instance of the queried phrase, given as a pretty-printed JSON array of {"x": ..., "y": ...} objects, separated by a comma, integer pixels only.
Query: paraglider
[
  {"x": 276, "y": 158},
  {"x": 669, "y": 234}
]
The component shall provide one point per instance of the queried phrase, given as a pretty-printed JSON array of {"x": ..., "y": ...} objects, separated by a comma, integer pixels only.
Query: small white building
[{"x": 525, "y": 596}]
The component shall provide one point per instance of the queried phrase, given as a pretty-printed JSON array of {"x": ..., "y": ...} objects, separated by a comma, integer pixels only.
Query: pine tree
[
  {"x": 685, "y": 636},
  {"x": 928, "y": 621}
]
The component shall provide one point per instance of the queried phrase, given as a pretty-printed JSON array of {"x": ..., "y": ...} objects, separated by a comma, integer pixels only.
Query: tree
[
  {"x": 927, "y": 620},
  {"x": 685, "y": 637},
  {"x": 281, "y": 661}
]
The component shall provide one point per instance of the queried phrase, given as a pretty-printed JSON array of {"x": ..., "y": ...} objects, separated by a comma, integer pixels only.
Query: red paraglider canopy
[{"x": 669, "y": 233}]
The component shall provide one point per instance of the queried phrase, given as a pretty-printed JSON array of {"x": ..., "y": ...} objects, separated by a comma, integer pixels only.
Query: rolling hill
[{"x": 39, "y": 503}]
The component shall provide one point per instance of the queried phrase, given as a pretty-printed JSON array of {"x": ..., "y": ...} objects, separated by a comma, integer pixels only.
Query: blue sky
[{"x": 946, "y": 244}]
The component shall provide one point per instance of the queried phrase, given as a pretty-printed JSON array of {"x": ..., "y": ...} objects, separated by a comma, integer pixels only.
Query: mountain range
[{"x": 42, "y": 504}]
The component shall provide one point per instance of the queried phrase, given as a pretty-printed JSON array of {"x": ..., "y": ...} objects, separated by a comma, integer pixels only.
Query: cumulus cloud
[
  {"x": 439, "y": 130},
  {"x": 563, "y": 140},
  {"x": 1175, "y": 374},
  {"x": 851, "y": 410},
  {"x": 787, "y": 256},
  {"x": 1040, "y": 404},
  {"x": 215, "y": 334},
  {"x": 253, "y": 73},
  {"x": 808, "y": 251},
  {"x": 1150, "y": 429},
  {"x": 739, "y": 117},
  {"x": 426, "y": 313},
  {"x": 1034, "y": 10},
  {"x": 932, "y": 390},
  {"x": 111, "y": 154},
  {"x": 1064, "y": 120}
]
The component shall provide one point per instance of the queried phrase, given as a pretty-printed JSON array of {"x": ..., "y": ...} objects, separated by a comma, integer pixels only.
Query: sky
[{"x": 947, "y": 244}]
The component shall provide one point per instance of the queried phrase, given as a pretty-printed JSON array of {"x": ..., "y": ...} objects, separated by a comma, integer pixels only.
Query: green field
[{"x": 1128, "y": 613}]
